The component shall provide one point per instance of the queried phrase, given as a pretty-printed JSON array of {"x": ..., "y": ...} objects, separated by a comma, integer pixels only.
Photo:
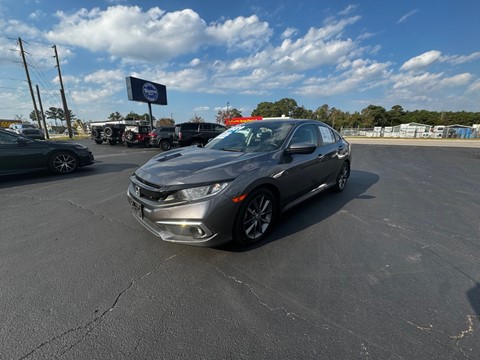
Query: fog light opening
[{"x": 197, "y": 232}]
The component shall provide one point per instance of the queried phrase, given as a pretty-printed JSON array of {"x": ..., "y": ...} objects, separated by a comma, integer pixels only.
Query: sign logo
[{"x": 150, "y": 92}]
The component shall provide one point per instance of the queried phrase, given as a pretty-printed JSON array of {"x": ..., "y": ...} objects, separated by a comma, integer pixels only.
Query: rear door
[{"x": 331, "y": 147}]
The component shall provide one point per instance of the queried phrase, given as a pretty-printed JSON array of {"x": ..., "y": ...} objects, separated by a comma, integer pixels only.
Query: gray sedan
[{"x": 237, "y": 185}]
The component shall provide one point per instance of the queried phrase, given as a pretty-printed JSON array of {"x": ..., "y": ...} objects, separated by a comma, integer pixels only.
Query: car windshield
[{"x": 252, "y": 137}]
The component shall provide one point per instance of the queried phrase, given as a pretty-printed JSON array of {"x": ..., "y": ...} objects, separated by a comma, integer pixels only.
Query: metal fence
[{"x": 414, "y": 132}]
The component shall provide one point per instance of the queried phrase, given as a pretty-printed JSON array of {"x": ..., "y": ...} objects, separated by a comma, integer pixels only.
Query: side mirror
[{"x": 301, "y": 148}]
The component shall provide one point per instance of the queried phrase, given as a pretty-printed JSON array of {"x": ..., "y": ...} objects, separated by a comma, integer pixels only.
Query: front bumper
[
  {"x": 86, "y": 158},
  {"x": 205, "y": 223}
]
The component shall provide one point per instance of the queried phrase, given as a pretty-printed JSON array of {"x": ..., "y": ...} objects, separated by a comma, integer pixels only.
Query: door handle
[{"x": 320, "y": 157}]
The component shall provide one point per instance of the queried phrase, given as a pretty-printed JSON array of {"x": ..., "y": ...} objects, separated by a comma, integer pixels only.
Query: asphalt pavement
[{"x": 388, "y": 269}]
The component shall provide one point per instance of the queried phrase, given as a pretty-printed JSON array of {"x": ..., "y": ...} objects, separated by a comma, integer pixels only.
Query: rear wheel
[
  {"x": 112, "y": 142},
  {"x": 99, "y": 141},
  {"x": 255, "y": 217},
  {"x": 63, "y": 163},
  {"x": 342, "y": 178},
  {"x": 165, "y": 145}
]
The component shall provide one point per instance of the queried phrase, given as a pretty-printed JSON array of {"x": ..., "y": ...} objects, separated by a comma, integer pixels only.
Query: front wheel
[
  {"x": 99, "y": 141},
  {"x": 255, "y": 217},
  {"x": 63, "y": 163},
  {"x": 165, "y": 145},
  {"x": 342, "y": 178}
]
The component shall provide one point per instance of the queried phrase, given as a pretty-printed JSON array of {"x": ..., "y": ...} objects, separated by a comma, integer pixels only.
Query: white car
[{"x": 27, "y": 130}]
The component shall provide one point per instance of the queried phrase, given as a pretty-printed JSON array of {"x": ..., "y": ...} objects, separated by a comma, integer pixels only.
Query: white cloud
[
  {"x": 456, "y": 80},
  {"x": 406, "y": 16},
  {"x": 17, "y": 28},
  {"x": 36, "y": 15},
  {"x": 421, "y": 61},
  {"x": 474, "y": 87},
  {"x": 289, "y": 32},
  {"x": 105, "y": 76},
  {"x": 244, "y": 33},
  {"x": 154, "y": 35},
  {"x": 349, "y": 9},
  {"x": 360, "y": 74},
  {"x": 201, "y": 108},
  {"x": 460, "y": 59}
]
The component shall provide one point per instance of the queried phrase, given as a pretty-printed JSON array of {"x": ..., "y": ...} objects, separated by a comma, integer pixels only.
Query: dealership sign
[{"x": 146, "y": 91}]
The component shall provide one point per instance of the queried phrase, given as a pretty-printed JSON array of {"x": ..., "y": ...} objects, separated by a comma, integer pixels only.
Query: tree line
[
  {"x": 369, "y": 117},
  {"x": 53, "y": 113}
]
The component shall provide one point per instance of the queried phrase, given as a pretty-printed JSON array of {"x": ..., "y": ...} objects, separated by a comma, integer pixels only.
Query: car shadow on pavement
[
  {"x": 473, "y": 296},
  {"x": 44, "y": 176},
  {"x": 314, "y": 210}
]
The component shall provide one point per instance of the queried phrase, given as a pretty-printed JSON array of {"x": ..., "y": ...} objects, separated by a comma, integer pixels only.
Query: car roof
[{"x": 287, "y": 121}]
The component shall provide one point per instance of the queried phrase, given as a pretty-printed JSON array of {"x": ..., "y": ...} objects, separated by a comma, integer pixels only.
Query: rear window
[{"x": 188, "y": 126}]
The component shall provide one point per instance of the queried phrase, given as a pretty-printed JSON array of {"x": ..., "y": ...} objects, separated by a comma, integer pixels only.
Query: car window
[
  {"x": 7, "y": 138},
  {"x": 251, "y": 137},
  {"x": 188, "y": 126},
  {"x": 305, "y": 134},
  {"x": 206, "y": 127},
  {"x": 327, "y": 135}
]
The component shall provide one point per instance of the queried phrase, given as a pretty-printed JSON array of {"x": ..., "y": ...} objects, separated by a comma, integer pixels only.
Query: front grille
[
  {"x": 31, "y": 132},
  {"x": 150, "y": 191},
  {"x": 147, "y": 182}
]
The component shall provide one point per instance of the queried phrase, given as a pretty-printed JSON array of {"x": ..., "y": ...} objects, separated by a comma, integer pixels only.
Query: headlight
[{"x": 200, "y": 192}]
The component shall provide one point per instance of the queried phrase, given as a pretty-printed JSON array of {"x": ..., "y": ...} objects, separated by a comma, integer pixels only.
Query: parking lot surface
[{"x": 388, "y": 269}]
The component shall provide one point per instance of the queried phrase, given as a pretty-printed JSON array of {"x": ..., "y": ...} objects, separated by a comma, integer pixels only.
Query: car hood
[
  {"x": 194, "y": 165},
  {"x": 58, "y": 144}
]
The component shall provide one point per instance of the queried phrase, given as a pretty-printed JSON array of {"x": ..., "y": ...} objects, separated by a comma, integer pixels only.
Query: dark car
[
  {"x": 237, "y": 185},
  {"x": 19, "y": 154},
  {"x": 137, "y": 135},
  {"x": 27, "y": 130},
  {"x": 162, "y": 137},
  {"x": 187, "y": 134}
]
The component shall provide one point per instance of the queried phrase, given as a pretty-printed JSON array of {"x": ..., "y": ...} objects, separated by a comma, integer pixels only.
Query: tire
[
  {"x": 197, "y": 143},
  {"x": 342, "y": 178},
  {"x": 99, "y": 141},
  {"x": 255, "y": 217},
  {"x": 95, "y": 134},
  {"x": 112, "y": 142},
  {"x": 63, "y": 163},
  {"x": 129, "y": 144},
  {"x": 129, "y": 135},
  {"x": 165, "y": 145},
  {"x": 108, "y": 131}
]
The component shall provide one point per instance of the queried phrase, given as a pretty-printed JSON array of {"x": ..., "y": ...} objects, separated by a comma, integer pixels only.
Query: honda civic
[{"x": 236, "y": 186}]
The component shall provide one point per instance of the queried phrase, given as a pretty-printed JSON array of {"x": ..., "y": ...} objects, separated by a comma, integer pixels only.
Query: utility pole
[
  {"x": 62, "y": 93},
  {"x": 29, "y": 83},
  {"x": 43, "y": 115}
]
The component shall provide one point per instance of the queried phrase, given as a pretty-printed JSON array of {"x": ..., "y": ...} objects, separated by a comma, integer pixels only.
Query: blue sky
[{"x": 417, "y": 54}]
